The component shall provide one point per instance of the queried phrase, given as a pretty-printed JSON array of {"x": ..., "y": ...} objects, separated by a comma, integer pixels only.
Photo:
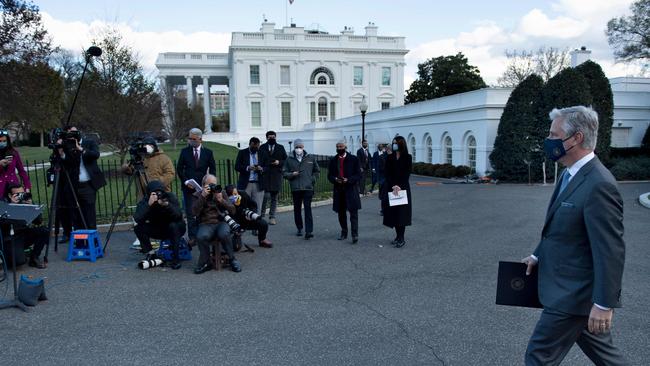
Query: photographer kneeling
[
  {"x": 246, "y": 215},
  {"x": 159, "y": 216},
  {"x": 33, "y": 234},
  {"x": 211, "y": 210}
]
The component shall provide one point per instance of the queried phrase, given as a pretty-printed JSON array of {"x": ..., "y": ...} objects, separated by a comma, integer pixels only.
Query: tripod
[{"x": 137, "y": 166}]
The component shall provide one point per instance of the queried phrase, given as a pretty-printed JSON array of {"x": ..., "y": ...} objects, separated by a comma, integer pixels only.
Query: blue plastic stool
[
  {"x": 85, "y": 244},
  {"x": 166, "y": 253}
]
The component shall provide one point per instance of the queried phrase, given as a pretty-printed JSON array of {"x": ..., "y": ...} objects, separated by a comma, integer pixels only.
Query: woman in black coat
[{"x": 397, "y": 172}]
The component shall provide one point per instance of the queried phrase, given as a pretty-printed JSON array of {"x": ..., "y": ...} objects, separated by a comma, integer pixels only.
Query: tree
[
  {"x": 180, "y": 117},
  {"x": 514, "y": 145},
  {"x": 117, "y": 100},
  {"x": 630, "y": 35},
  {"x": 22, "y": 36},
  {"x": 645, "y": 143},
  {"x": 602, "y": 102},
  {"x": 545, "y": 62},
  {"x": 566, "y": 89},
  {"x": 442, "y": 76}
]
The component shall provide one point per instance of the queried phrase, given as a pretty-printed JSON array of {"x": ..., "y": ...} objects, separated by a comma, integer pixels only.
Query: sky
[{"x": 482, "y": 30}]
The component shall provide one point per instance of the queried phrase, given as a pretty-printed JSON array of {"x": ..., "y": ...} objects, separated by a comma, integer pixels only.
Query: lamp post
[{"x": 363, "y": 107}]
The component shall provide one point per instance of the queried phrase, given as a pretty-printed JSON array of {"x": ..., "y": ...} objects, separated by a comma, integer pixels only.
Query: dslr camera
[
  {"x": 24, "y": 197},
  {"x": 214, "y": 188},
  {"x": 162, "y": 195},
  {"x": 68, "y": 139}
]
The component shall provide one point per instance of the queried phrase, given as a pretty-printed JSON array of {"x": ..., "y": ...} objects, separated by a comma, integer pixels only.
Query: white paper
[
  {"x": 197, "y": 187},
  {"x": 400, "y": 199}
]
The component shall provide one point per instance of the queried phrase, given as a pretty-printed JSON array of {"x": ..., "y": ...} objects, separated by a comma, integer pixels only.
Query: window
[
  {"x": 429, "y": 144},
  {"x": 332, "y": 111},
  {"x": 358, "y": 75},
  {"x": 448, "y": 150},
  {"x": 385, "y": 105},
  {"x": 385, "y": 76},
  {"x": 329, "y": 77},
  {"x": 256, "y": 114},
  {"x": 312, "y": 110},
  {"x": 286, "y": 113},
  {"x": 322, "y": 80},
  {"x": 285, "y": 76},
  {"x": 471, "y": 153},
  {"x": 254, "y": 74},
  {"x": 322, "y": 109},
  {"x": 412, "y": 148}
]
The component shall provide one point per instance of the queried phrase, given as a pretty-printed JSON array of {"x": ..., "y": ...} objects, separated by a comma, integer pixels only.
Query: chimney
[
  {"x": 578, "y": 56},
  {"x": 371, "y": 30},
  {"x": 348, "y": 31},
  {"x": 267, "y": 27}
]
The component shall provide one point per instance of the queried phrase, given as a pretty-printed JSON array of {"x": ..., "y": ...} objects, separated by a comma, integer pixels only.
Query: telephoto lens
[
  {"x": 234, "y": 226},
  {"x": 251, "y": 215},
  {"x": 150, "y": 263}
]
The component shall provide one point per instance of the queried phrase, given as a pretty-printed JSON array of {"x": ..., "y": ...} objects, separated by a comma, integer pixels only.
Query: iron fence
[{"x": 110, "y": 196}]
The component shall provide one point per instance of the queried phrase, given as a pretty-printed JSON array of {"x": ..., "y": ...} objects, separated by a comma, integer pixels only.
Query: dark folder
[{"x": 514, "y": 288}]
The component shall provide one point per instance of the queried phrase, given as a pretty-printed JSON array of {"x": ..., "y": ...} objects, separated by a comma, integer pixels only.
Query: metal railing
[{"x": 110, "y": 196}]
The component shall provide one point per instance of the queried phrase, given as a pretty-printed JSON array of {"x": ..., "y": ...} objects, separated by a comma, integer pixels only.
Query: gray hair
[
  {"x": 196, "y": 132},
  {"x": 579, "y": 119},
  {"x": 208, "y": 176},
  {"x": 342, "y": 142}
]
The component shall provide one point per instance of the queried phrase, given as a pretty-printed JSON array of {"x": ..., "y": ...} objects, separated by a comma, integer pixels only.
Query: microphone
[{"x": 94, "y": 51}]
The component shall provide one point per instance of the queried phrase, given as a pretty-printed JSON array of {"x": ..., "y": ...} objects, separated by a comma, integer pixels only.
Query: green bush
[
  {"x": 636, "y": 168},
  {"x": 463, "y": 170}
]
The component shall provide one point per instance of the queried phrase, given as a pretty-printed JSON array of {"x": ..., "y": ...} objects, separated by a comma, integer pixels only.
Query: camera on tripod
[
  {"x": 138, "y": 150},
  {"x": 69, "y": 139}
]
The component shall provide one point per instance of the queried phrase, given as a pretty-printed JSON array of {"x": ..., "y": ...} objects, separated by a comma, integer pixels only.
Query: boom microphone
[{"x": 94, "y": 51}]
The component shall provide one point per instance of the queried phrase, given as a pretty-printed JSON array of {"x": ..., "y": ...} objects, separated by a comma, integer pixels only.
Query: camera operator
[
  {"x": 210, "y": 210},
  {"x": 245, "y": 215},
  {"x": 79, "y": 158},
  {"x": 33, "y": 234},
  {"x": 159, "y": 216},
  {"x": 157, "y": 165}
]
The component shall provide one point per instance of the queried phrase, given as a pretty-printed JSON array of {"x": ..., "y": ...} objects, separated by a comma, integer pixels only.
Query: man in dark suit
[
  {"x": 80, "y": 162},
  {"x": 581, "y": 254},
  {"x": 364, "y": 162},
  {"x": 344, "y": 172},
  {"x": 252, "y": 165},
  {"x": 194, "y": 162},
  {"x": 276, "y": 155}
]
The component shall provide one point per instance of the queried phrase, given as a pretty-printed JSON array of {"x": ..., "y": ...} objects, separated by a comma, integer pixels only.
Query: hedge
[{"x": 441, "y": 170}]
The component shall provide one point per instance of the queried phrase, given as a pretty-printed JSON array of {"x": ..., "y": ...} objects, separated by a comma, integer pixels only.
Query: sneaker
[
  {"x": 235, "y": 265},
  {"x": 272, "y": 221},
  {"x": 136, "y": 245}
]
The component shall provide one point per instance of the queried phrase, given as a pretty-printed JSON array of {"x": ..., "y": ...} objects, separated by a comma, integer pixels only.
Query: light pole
[{"x": 363, "y": 107}]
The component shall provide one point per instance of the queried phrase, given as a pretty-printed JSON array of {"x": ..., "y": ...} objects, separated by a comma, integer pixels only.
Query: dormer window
[{"x": 321, "y": 76}]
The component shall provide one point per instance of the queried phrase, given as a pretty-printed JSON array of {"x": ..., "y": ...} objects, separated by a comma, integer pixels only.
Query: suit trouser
[
  {"x": 210, "y": 232},
  {"x": 555, "y": 334},
  {"x": 303, "y": 198},
  {"x": 273, "y": 198},
  {"x": 362, "y": 182},
  {"x": 343, "y": 219},
  {"x": 253, "y": 190},
  {"x": 192, "y": 224}
]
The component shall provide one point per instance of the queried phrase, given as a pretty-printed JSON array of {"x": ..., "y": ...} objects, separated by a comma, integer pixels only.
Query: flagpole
[{"x": 286, "y": 13}]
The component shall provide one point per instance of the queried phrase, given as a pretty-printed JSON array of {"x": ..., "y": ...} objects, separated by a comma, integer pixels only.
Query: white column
[
  {"x": 190, "y": 91},
  {"x": 167, "y": 109},
  {"x": 206, "y": 105}
]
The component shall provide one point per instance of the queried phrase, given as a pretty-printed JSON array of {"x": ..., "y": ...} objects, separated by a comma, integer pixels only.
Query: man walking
[
  {"x": 276, "y": 155},
  {"x": 194, "y": 162},
  {"x": 364, "y": 162},
  {"x": 344, "y": 173},
  {"x": 301, "y": 170},
  {"x": 581, "y": 253}
]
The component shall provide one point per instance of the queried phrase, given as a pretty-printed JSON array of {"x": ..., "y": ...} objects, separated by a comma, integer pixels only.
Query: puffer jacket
[
  {"x": 308, "y": 169},
  {"x": 158, "y": 166}
]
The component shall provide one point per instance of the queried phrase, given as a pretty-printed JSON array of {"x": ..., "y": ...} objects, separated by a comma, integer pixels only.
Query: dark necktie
[{"x": 196, "y": 157}]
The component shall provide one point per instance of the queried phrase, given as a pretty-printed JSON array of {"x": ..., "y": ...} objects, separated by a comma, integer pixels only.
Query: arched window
[
  {"x": 471, "y": 152},
  {"x": 412, "y": 148},
  {"x": 448, "y": 150},
  {"x": 322, "y": 80},
  {"x": 322, "y": 109},
  {"x": 321, "y": 72},
  {"x": 429, "y": 145}
]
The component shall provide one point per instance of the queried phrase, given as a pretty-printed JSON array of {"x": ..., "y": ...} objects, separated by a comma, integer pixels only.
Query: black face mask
[
  {"x": 253, "y": 149},
  {"x": 271, "y": 141},
  {"x": 341, "y": 152}
]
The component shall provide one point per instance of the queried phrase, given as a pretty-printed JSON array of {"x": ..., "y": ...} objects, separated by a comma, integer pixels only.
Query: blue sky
[{"x": 482, "y": 30}]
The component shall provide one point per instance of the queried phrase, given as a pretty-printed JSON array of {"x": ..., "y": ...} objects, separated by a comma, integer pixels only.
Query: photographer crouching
[
  {"x": 212, "y": 210},
  {"x": 32, "y": 234},
  {"x": 246, "y": 216},
  {"x": 159, "y": 216}
]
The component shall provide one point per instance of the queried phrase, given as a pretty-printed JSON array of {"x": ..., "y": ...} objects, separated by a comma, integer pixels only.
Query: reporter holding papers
[{"x": 397, "y": 173}]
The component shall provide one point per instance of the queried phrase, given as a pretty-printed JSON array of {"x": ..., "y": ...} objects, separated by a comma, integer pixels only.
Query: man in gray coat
[
  {"x": 581, "y": 254},
  {"x": 301, "y": 170}
]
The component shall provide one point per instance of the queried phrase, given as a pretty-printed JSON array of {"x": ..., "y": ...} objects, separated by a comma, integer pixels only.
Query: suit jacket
[
  {"x": 364, "y": 161},
  {"x": 243, "y": 162},
  {"x": 273, "y": 177},
  {"x": 581, "y": 253},
  {"x": 187, "y": 169},
  {"x": 352, "y": 172},
  {"x": 89, "y": 155}
]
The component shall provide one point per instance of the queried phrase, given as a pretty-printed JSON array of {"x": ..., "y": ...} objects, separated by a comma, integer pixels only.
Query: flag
[{"x": 290, "y": 2}]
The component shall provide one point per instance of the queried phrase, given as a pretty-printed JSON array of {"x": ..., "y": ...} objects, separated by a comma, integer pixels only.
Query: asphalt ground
[{"x": 323, "y": 301}]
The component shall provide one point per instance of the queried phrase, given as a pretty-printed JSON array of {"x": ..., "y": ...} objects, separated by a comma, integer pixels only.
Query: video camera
[
  {"x": 137, "y": 150},
  {"x": 69, "y": 139}
]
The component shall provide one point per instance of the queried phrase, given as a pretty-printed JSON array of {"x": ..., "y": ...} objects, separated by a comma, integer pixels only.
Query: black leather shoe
[
  {"x": 394, "y": 242},
  {"x": 235, "y": 265},
  {"x": 175, "y": 265},
  {"x": 308, "y": 236},
  {"x": 400, "y": 243},
  {"x": 342, "y": 236},
  {"x": 204, "y": 268},
  {"x": 299, "y": 232},
  {"x": 355, "y": 239},
  {"x": 34, "y": 262},
  {"x": 64, "y": 239}
]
